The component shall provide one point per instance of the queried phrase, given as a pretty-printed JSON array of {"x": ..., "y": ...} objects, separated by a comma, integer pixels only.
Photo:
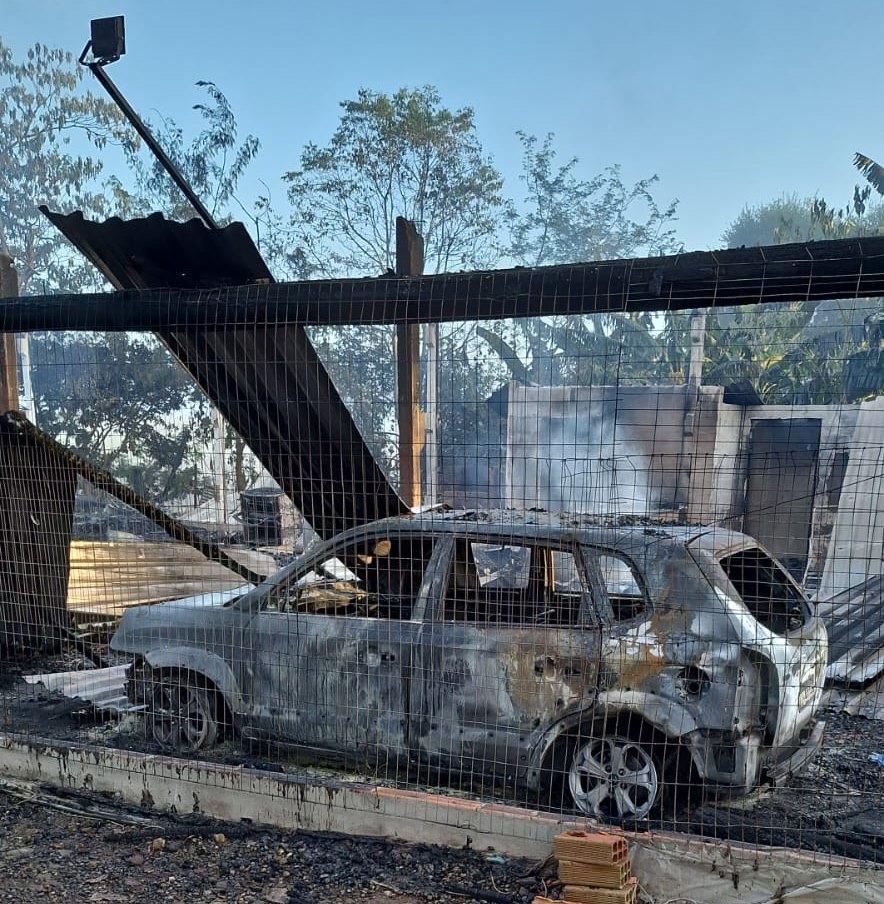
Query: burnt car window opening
[
  {"x": 502, "y": 584},
  {"x": 763, "y": 586},
  {"x": 374, "y": 578},
  {"x": 624, "y": 592}
]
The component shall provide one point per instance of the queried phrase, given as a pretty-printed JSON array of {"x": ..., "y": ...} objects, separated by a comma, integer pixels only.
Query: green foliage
[
  {"x": 213, "y": 162},
  {"x": 795, "y": 219},
  {"x": 401, "y": 154},
  {"x": 395, "y": 155},
  {"x": 119, "y": 401},
  {"x": 872, "y": 172},
  {"x": 565, "y": 218},
  {"x": 803, "y": 352},
  {"x": 50, "y": 128}
]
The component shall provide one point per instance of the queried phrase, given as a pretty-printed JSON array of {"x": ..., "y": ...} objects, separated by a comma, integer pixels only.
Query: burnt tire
[{"x": 182, "y": 715}]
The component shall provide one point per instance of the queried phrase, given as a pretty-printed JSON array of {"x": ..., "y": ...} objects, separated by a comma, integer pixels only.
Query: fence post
[
  {"x": 409, "y": 262},
  {"x": 8, "y": 358}
]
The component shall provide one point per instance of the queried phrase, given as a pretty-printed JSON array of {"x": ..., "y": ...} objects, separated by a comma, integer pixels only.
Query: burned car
[{"x": 605, "y": 662}]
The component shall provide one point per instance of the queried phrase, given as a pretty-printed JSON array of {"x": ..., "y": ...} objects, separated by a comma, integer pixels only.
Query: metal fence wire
[{"x": 620, "y": 564}]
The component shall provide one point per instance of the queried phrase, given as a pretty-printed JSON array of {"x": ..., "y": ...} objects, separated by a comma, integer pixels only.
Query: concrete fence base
[{"x": 669, "y": 866}]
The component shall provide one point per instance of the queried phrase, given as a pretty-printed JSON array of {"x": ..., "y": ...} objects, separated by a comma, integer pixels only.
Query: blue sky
[{"x": 728, "y": 103}]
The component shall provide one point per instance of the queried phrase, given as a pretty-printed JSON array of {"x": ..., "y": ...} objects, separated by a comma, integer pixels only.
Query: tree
[
  {"x": 801, "y": 352},
  {"x": 121, "y": 403},
  {"x": 566, "y": 218},
  {"x": 213, "y": 162},
  {"x": 403, "y": 154},
  {"x": 400, "y": 154},
  {"x": 50, "y": 128},
  {"x": 563, "y": 218},
  {"x": 795, "y": 219}
]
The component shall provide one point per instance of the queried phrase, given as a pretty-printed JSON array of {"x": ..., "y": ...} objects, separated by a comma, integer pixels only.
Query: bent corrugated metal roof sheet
[
  {"x": 854, "y": 620},
  {"x": 265, "y": 378}
]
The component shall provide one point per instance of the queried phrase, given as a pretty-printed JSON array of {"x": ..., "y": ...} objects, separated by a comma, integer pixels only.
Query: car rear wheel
[
  {"x": 615, "y": 779},
  {"x": 182, "y": 717}
]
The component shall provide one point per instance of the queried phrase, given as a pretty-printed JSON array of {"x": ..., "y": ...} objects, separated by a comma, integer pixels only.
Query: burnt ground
[
  {"x": 835, "y": 805},
  {"x": 48, "y": 856}
]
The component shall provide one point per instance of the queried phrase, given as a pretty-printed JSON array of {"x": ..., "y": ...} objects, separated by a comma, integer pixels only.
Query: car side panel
[
  {"x": 484, "y": 694},
  {"x": 488, "y": 693}
]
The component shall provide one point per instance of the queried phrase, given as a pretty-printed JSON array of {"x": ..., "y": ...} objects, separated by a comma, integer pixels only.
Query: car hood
[{"x": 204, "y": 600}]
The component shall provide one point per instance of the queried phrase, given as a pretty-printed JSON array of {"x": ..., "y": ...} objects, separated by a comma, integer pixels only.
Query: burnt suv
[{"x": 550, "y": 651}]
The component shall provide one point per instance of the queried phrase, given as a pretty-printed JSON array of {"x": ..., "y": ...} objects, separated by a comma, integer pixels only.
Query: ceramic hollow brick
[
  {"x": 612, "y": 875},
  {"x": 590, "y": 847}
]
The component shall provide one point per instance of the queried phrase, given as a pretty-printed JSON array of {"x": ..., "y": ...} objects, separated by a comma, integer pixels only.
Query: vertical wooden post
[
  {"x": 37, "y": 491},
  {"x": 8, "y": 357},
  {"x": 689, "y": 506},
  {"x": 431, "y": 434},
  {"x": 698, "y": 348},
  {"x": 409, "y": 262}
]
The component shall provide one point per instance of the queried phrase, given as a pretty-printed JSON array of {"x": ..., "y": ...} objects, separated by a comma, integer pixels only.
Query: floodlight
[{"x": 108, "y": 39}]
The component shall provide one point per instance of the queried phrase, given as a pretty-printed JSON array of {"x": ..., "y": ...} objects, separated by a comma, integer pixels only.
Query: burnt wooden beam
[
  {"x": 409, "y": 262},
  {"x": 806, "y": 271},
  {"x": 17, "y": 425}
]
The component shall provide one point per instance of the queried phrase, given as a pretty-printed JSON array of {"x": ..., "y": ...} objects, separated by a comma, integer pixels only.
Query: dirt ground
[{"x": 51, "y": 856}]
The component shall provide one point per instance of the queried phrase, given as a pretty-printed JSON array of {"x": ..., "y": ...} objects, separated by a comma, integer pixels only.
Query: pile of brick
[{"x": 594, "y": 869}]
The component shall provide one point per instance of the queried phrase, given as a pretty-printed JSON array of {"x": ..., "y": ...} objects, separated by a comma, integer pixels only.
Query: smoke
[{"x": 579, "y": 457}]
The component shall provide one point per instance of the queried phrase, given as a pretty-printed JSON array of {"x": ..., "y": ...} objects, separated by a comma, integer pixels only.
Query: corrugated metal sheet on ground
[
  {"x": 854, "y": 619},
  {"x": 104, "y": 688}
]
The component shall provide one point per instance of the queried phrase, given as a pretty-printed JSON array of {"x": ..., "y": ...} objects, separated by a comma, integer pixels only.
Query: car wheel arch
[
  {"x": 633, "y": 710},
  {"x": 204, "y": 665}
]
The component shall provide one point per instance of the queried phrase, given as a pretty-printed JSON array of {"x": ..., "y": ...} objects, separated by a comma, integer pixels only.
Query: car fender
[
  {"x": 205, "y": 663},
  {"x": 667, "y": 716}
]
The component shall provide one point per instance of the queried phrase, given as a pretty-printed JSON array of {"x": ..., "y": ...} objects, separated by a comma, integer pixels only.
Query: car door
[
  {"x": 333, "y": 647},
  {"x": 511, "y": 644}
]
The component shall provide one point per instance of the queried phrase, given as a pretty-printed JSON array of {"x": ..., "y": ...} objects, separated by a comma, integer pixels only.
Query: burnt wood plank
[{"x": 812, "y": 271}]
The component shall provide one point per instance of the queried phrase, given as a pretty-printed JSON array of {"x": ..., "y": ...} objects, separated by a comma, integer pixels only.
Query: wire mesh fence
[{"x": 642, "y": 584}]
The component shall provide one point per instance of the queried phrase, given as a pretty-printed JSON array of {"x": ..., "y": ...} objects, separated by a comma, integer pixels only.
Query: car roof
[{"x": 618, "y": 532}]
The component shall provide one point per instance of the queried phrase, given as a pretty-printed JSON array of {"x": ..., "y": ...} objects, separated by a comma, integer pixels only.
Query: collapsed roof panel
[
  {"x": 265, "y": 378},
  {"x": 855, "y": 625}
]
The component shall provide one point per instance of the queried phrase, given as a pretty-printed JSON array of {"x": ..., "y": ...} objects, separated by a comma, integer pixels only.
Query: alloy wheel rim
[
  {"x": 179, "y": 722},
  {"x": 614, "y": 778}
]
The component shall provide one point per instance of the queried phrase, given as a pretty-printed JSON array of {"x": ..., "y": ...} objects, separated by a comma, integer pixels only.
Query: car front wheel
[
  {"x": 182, "y": 717},
  {"x": 615, "y": 779}
]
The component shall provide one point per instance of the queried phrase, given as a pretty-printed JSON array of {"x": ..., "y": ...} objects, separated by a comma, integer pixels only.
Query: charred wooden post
[
  {"x": 8, "y": 360},
  {"x": 409, "y": 262},
  {"x": 37, "y": 490}
]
